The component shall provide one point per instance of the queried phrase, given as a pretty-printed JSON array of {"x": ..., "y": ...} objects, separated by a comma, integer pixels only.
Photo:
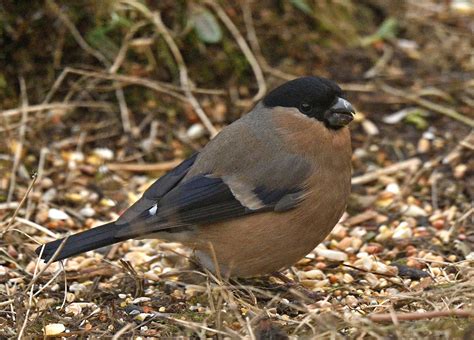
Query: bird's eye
[{"x": 305, "y": 107}]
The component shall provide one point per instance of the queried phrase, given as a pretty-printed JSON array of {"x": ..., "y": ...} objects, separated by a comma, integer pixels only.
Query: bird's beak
[{"x": 341, "y": 113}]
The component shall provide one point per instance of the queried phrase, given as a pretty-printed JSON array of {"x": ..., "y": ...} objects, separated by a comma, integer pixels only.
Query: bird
[{"x": 258, "y": 197}]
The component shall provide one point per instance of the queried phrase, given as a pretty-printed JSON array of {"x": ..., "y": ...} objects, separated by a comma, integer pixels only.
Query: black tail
[{"x": 79, "y": 243}]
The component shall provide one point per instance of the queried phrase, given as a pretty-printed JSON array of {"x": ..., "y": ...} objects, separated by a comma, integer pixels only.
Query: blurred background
[{"x": 99, "y": 98}]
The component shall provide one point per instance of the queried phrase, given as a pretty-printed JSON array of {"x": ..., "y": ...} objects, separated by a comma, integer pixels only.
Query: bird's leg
[{"x": 297, "y": 286}]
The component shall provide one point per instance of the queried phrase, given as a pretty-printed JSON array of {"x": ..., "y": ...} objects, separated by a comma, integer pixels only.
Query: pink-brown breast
[{"x": 264, "y": 243}]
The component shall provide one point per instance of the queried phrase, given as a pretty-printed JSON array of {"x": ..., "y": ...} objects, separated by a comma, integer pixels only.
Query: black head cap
[{"x": 312, "y": 96}]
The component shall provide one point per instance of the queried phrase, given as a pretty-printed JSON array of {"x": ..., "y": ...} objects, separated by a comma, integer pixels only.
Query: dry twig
[
  {"x": 389, "y": 317},
  {"x": 145, "y": 167},
  {"x": 257, "y": 70},
  {"x": 428, "y": 104},
  {"x": 409, "y": 164}
]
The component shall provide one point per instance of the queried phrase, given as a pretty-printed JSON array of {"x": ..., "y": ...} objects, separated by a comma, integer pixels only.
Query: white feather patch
[
  {"x": 153, "y": 209},
  {"x": 243, "y": 193}
]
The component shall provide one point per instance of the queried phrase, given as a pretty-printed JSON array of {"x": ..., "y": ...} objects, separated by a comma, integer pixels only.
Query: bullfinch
[{"x": 258, "y": 197}]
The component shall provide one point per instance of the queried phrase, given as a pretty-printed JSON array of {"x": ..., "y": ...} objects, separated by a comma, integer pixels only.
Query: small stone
[
  {"x": 351, "y": 301},
  {"x": 460, "y": 171},
  {"x": 345, "y": 243},
  {"x": 438, "y": 224},
  {"x": 382, "y": 268},
  {"x": 137, "y": 257},
  {"x": 384, "y": 199},
  {"x": 369, "y": 127},
  {"x": 384, "y": 233},
  {"x": 423, "y": 145},
  {"x": 132, "y": 309},
  {"x": 74, "y": 309},
  {"x": 445, "y": 236},
  {"x": 347, "y": 278},
  {"x": 332, "y": 255},
  {"x": 358, "y": 232},
  {"x": 56, "y": 214},
  {"x": 54, "y": 329},
  {"x": 87, "y": 211},
  {"x": 142, "y": 316},
  {"x": 364, "y": 263},
  {"x": 394, "y": 188},
  {"x": 323, "y": 304},
  {"x": 403, "y": 231},
  {"x": 77, "y": 287},
  {"x": 320, "y": 265},
  {"x": 70, "y": 297},
  {"x": 372, "y": 279},
  {"x": 196, "y": 131},
  {"x": 104, "y": 153},
  {"x": 141, "y": 300},
  {"x": 413, "y": 211},
  {"x": 314, "y": 274},
  {"x": 411, "y": 262},
  {"x": 45, "y": 303},
  {"x": 356, "y": 244}
]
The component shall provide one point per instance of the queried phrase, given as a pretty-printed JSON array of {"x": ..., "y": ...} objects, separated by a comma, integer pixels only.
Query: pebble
[
  {"x": 70, "y": 297},
  {"x": 314, "y": 274},
  {"x": 351, "y": 301},
  {"x": 141, "y": 300},
  {"x": 373, "y": 248},
  {"x": 392, "y": 291},
  {"x": 56, "y": 214},
  {"x": 413, "y": 211},
  {"x": 382, "y": 268},
  {"x": 384, "y": 233},
  {"x": 142, "y": 316},
  {"x": 403, "y": 231},
  {"x": 364, "y": 263},
  {"x": 77, "y": 287},
  {"x": 445, "y": 236},
  {"x": 104, "y": 153},
  {"x": 87, "y": 211},
  {"x": 460, "y": 171},
  {"x": 423, "y": 145},
  {"x": 372, "y": 279},
  {"x": 358, "y": 232},
  {"x": 393, "y": 188},
  {"x": 438, "y": 224},
  {"x": 132, "y": 309},
  {"x": 347, "y": 278},
  {"x": 333, "y": 255},
  {"x": 323, "y": 304},
  {"x": 370, "y": 128},
  {"x": 137, "y": 257},
  {"x": 76, "y": 307},
  {"x": 345, "y": 243},
  {"x": 54, "y": 329},
  {"x": 196, "y": 131},
  {"x": 414, "y": 263}
]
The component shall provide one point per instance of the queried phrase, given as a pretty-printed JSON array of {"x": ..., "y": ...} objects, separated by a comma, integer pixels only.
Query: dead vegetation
[{"x": 100, "y": 98}]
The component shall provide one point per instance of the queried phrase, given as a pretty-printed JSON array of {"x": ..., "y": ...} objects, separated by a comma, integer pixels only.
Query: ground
[{"x": 98, "y": 99}]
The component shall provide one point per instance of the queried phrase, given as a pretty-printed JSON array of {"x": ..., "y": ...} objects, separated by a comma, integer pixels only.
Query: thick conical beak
[{"x": 341, "y": 113}]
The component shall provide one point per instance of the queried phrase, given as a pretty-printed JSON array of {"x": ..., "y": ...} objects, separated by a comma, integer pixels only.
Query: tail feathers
[{"x": 79, "y": 243}]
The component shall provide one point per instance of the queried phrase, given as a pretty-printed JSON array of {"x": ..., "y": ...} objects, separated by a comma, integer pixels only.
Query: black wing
[
  {"x": 157, "y": 191},
  {"x": 205, "y": 199}
]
